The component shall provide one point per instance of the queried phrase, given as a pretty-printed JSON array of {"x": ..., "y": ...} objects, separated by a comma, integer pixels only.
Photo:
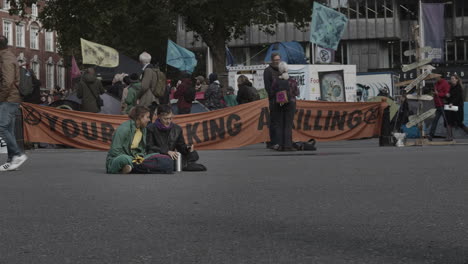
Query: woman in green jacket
[{"x": 128, "y": 142}]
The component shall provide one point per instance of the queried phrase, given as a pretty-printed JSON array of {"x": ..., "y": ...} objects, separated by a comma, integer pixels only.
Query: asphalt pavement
[{"x": 347, "y": 202}]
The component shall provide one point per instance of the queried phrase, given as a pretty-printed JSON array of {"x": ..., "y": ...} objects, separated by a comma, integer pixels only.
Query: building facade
[
  {"x": 377, "y": 34},
  {"x": 34, "y": 46}
]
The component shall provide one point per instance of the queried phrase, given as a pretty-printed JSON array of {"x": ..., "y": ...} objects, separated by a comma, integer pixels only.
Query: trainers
[
  {"x": 6, "y": 167},
  {"x": 17, "y": 161},
  {"x": 126, "y": 169}
]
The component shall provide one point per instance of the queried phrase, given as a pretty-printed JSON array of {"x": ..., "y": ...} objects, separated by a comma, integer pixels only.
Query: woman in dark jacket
[
  {"x": 183, "y": 106},
  {"x": 286, "y": 108},
  {"x": 214, "y": 95},
  {"x": 246, "y": 93},
  {"x": 455, "y": 118}
]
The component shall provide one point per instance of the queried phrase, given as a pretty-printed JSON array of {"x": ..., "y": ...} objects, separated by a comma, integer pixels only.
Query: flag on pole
[
  {"x": 99, "y": 55},
  {"x": 180, "y": 58},
  {"x": 433, "y": 29},
  {"x": 327, "y": 26},
  {"x": 75, "y": 71}
]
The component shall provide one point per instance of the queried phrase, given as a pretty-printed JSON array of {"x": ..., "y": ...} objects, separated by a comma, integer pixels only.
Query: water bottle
[{"x": 178, "y": 162}]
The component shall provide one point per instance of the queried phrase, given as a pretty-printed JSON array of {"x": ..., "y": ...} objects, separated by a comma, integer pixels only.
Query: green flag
[{"x": 327, "y": 26}]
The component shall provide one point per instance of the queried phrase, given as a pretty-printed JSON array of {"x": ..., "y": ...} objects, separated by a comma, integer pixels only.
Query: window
[
  {"x": 460, "y": 50},
  {"x": 34, "y": 38},
  {"x": 61, "y": 76},
  {"x": 50, "y": 76},
  {"x": 34, "y": 12},
  {"x": 450, "y": 50},
  {"x": 49, "y": 41},
  {"x": 371, "y": 9},
  {"x": 388, "y": 6},
  {"x": 6, "y": 4},
  {"x": 20, "y": 36},
  {"x": 35, "y": 67},
  {"x": 8, "y": 31}
]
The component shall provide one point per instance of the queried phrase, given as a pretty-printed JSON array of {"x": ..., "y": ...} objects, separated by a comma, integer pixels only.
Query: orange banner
[{"x": 227, "y": 128}]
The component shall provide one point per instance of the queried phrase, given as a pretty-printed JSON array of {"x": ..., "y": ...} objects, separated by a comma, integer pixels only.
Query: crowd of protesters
[{"x": 147, "y": 93}]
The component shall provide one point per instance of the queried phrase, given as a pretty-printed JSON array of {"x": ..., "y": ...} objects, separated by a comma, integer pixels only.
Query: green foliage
[
  {"x": 128, "y": 26},
  {"x": 135, "y": 26}
]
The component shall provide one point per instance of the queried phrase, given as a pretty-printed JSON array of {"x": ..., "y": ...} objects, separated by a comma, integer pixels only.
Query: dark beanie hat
[{"x": 213, "y": 77}]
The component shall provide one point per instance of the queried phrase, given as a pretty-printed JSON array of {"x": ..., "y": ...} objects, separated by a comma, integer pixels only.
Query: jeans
[
  {"x": 7, "y": 127},
  {"x": 435, "y": 121}
]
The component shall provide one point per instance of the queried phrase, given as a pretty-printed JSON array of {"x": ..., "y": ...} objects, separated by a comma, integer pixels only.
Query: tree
[
  {"x": 128, "y": 26},
  {"x": 219, "y": 21},
  {"x": 134, "y": 26}
]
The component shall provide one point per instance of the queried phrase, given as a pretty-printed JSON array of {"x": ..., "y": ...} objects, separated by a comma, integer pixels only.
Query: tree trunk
[
  {"x": 217, "y": 43},
  {"x": 219, "y": 63}
]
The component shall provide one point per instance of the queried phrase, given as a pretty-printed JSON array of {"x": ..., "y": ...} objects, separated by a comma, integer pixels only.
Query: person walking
[
  {"x": 285, "y": 91},
  {"x": 441, "y": 92},
  {"x": 455, "y": 118},
  {"x": 9, "y": 103}
]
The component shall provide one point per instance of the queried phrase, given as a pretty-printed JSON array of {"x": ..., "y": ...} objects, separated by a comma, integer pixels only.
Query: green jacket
[
  {"x": 122, "y": 142},
  {"x": 89, "y": 88},
  {"x": 231, "y": 100},
  {"x": 132, "y": 95}
]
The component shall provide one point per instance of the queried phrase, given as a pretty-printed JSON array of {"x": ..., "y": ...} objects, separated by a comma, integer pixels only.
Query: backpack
[
  {"x": 158, "y": 87},
  {"x": 189, "y": 94},
  {"x": 309, "y": 145},
  {"x": 26, "y": 82}
]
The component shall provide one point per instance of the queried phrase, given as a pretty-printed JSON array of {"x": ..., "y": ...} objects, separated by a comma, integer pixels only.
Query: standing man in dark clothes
[
  {"x": 89, "y": 90},
  {"x": 184, "y": 106},
  {"x": 441, "y": 91},
  {"x": 35, "y": 96},
  {"x": 269, "y": 75}
]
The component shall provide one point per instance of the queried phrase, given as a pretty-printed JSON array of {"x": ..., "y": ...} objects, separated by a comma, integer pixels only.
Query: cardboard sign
[
  {"x": 415, "y": 65},
  {"x": 424, "y": 97},
  {"x": 415, "y": 82},
  {"x": 416, "y": 119}
]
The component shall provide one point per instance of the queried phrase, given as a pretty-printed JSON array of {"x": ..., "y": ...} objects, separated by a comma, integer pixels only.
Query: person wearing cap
[
  {"x": 200, "y": 85},
  {"x": 133, "y": 89}
]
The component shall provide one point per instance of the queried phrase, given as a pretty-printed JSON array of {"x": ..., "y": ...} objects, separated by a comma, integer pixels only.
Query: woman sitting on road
[{"x": 128, "y": 142}]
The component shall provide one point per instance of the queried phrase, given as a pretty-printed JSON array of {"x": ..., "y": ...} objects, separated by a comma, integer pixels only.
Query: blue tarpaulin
[{"x": 291, "y": 52}]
